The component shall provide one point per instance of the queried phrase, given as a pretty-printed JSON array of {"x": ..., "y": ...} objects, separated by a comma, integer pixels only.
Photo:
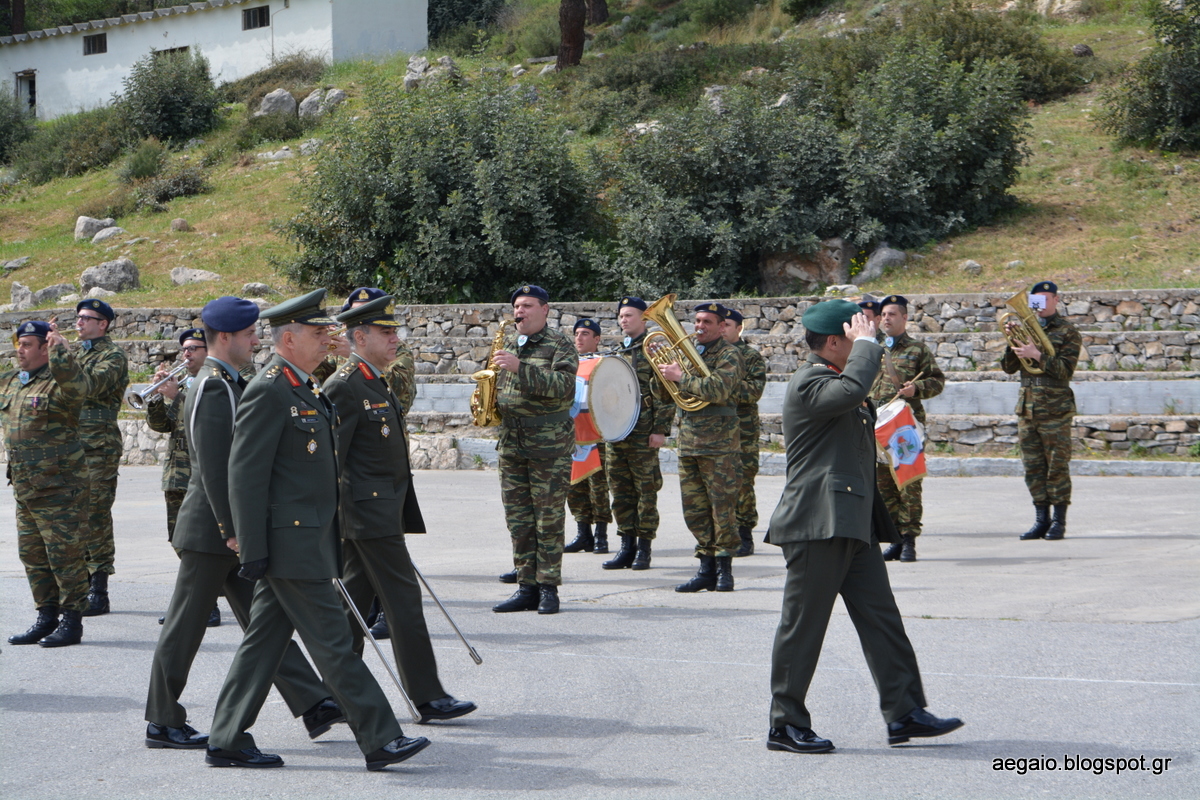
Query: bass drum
[{"x": 611, "y": 395}]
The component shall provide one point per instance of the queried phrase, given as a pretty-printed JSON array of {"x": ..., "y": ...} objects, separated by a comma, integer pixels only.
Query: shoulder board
[
  {"x": 345, "y": 371},
  {"x": 366, "y": 371},
  {"x": 291, "y": 377},
  {"x": 270, "y": 374}
]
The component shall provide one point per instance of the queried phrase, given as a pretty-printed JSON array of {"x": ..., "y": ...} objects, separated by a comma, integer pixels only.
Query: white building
[{"x": 77, "y": 67}]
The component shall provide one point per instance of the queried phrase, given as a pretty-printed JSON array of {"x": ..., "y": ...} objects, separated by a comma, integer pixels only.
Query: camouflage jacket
[
  {"x": 108, "y": 375},
  {"x": 1049, "y": 396},
  {"x": 748, "y": 392},
  {"x": 400, "y": 375},
  {"x": 166, "y": 417},
  {"x": 544, "y": 386},
  {"x": 656, "y": 414},
  {"x": 41, "y": 426},
  {"x": 910, "y": 358},
  {"x": 713, "y": 430}
]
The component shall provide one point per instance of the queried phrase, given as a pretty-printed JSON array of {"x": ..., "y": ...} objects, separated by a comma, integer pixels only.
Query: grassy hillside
[{"x": 1090, "y": 215}]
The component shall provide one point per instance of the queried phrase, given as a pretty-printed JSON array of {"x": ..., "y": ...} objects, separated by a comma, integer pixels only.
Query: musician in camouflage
[
  {"x": 909, "y": 372},
  {"x": 108, "y": 375},
  {"x": 40, "y": 407},
  {"x": 709, "y": 446},
  {"x": 1045, "y": 410},
  {"x": 748, "y": 392},
  {"x": 588, "y": 499},
  {"x": 535, "y": 387}
]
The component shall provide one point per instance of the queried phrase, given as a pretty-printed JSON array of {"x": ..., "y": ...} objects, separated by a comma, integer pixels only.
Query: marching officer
[
  {"x": 747, "y": 394},
  {"x": 912, "y": 373},
  {"x": 588, "y": 499}
]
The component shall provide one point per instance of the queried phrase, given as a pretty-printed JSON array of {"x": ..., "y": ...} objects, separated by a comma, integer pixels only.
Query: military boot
[
  {"x": 583, "y": 539},
  {"x": 524, "y": 599},
  {"x": 624, "y": 557},
  {"x": 704, "y": 579},
  {"x": 1041, "y": 523},
  {"x": 98, "y": 595},
  {"x": 893, "y": 551},
  {"x": 69, "y": 631},
  {"x": 547, "y": 599},
  {"x": 47, "y": 621},
  {"x": 908, "y": 548},
  {"x": 1058, "y": 525},
  {"x": 601, "y": 538},
  {"x": 509, "y": 577},
  {"x": 724, "y": 574},
  {"x": 747, "y": 548},
  {"x": 380, "y": 629},
  {"x": 641, "y": 558}
]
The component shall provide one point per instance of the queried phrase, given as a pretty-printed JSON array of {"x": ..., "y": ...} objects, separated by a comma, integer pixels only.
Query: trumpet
[
  {"x": 334, "y": 333},
  {"x": 138, "y": 400}
]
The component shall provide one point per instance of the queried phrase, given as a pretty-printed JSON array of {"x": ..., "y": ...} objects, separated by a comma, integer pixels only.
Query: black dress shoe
[
  {"x": 919, "y": 724},
  {"x": 525, "y": 598},
  {"x": 250, "y": 757},
  {"x": 509, "y": 577},
  {"x": 323, "y": 716},
  {"x": 444, "y": 708},
  {"x": 395, "y": 751},
  {"x": 185, "y": 738},
  {"x": 380, "y": 629},
  {"x": 797, "y": 740},
  {"x": 893, "y": 551},
  {"x": 547, "y": 599},
  {"x": 214, "y": 617}
]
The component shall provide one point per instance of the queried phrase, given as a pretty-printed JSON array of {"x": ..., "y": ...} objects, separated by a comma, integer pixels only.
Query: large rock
[
  {"x": 257, "y": 290},
  {"x": 180, "y": 225},
  {"x": 107, "y": 233},
  {"x": 116, "y": 276},
  {"x": 93, "y": 293},
  {"x": 15, "y": 263},
  {"x": 87, "y": 227},
  {"x": 334, "y": 98},
  {"x": 181, "y": 276},
  {"x": 781, "y": 274},
  {"x": 971, "y": 267},
  {"x": 279, "y": 101},
  {"x": 884, "y": 258},
  {"x": 22, "y": 297},
  {"x": 310, "y": 107},
  {"x": 417, "y": 67},
  {"x": 52, "y": 293}
]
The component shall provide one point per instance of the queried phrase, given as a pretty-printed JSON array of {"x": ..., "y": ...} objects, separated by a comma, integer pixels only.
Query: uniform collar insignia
[
  {"x": 366, "y": 371},
  {"x": 291, "y": 376}
]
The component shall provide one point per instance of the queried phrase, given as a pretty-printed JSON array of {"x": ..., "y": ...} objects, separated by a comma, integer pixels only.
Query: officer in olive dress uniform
[
  {"x": 748, "y": 392},
  {"x": 535, "y": 387},
  {"x": 588, "y": 499},
  {"x": 204, "y": 540},
  {"x": 710, "y": 458},
  {"x": 108, "y": 373},
  {"x": 829, "y": 522},
  {"x": 39, "y": 406},
  {"x": 1045, "y": 410},
  {"x": 912, "y": 373},
  {"x": 379, "y": 504},
  {"x": 283, "y": 495},
  {"x": 633, "y": 470}
]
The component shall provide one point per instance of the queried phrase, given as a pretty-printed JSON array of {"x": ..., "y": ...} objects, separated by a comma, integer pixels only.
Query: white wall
[{"x": 378, "y": 28}]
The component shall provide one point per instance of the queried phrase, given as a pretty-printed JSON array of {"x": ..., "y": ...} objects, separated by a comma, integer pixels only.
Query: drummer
[{"x": 588, "y": 498}]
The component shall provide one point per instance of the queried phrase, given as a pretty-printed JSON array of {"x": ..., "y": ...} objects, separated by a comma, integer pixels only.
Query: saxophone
[{"x": 483, "y": 399}]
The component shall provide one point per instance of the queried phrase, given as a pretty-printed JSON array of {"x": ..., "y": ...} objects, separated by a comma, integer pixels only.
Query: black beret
[
  {"x": 380, "y": 311},
  {"x": 198, "y": 333},
  {"x": 873, "y": 305},
  {"x": 1045, "y": 286},
  {"x": 34, "y": 327},
  {"x": 893, "y": 300},
  {"x": 635, "y": 302},
  {"x": 305, "y": 309},
  {"x": 229, "y": 314},
  {"x": 362, "y": 295},
  {"x": 734, "y": 315},
  {"x": 529, "y": 290},
  {"x": 828, "y": 317},
  {"x": 713, "y": 308},
  {"x": 590, "y": 324},
  {"x": 99, "y": 306}
]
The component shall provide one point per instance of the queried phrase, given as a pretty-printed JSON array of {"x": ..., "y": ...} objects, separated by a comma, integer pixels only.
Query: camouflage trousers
[
  {"x": 100, "y": 548},
  {"x": 709, "y": 485},
  {"x": 747, "y": 504},
  {"x": 174, "y": 499},
  {"x": 904, "y": 506},
  {"x": 634, "y": 478},
  {"x": 534, "y": 491},
  {"x": 48, "y": 528},
  {"x": 1046, "y": 453},
  {"x": 588, "y": 499}
]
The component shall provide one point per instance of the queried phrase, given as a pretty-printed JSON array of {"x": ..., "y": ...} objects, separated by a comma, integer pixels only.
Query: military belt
[
  {"x": 98, "y": 415},
  {"x": 537, "y": 422},
  {"x": 26, "y": 456},
  {"x": 713, "y": 411},
  {"x": 1042, "y": 380}
]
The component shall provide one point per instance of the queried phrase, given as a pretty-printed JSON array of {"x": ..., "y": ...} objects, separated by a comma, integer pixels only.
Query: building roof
[{"x": 112, "y": 22}]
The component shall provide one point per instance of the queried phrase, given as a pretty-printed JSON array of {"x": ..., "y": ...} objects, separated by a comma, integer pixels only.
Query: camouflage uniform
[
  {"x": 49, "y": 479},
  {"x": 747, "y": 394},
  {"x": 108, "y": 375},
  {"x": 537, "y": 438},
  {"x": 631, "y": 465},
  {"x": 588, "y": 499},
  {"x": 910, "y": 358},
  {"x": 1045, "y": 409},
  {"x": 165, "y": 417},
  {"x": 710, "y": 457}
]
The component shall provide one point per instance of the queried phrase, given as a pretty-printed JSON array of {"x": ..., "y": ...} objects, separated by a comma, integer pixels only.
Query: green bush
[
  {"x": 539, "y": 36},
  {"x": 296, "y": 72},
  {"x": 252, "y": 131},
  {"x": 120, "y": 202},
  {"x": 145, "y": 162},
  {"x": 1158, "y": 102},
  {"x": 16, "y": 124},
  {"x": 72, "y": 144},
  {"x": 712, "y": 13},
  {"x": 445, "y": 16},
  {"x": 170, "y": 96},
  {"x": 182, "y": 180},
  {"x": 802, "y": 9}
]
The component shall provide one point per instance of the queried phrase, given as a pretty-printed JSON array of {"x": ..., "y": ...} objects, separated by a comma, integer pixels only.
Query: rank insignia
[
  {"x": 385, "y": 430},
  {"x": 312, "y": 446}
]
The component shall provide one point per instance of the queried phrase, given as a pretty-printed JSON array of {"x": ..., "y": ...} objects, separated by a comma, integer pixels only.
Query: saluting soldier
[
  {"x": 108, "y": 374},
  {"x": 911, "y": 372},
  {"x": 535, "y": 387},
  {"x": 204, "y": 540},
  {"x": 633, "y": 471},
  {"x": 40, "y": 404},
  {"x": 588, "y": 499},
  {"x": 1045, "y": 409},
  {"x": 710, "y": 461},
  {"x": 379, "y": 504},
  {"x": 748, "y": 392}
]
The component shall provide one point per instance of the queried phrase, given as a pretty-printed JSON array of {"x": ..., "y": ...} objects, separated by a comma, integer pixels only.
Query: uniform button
[
  {"x": 374, "y": 494},
  {"x": 848, "y": 489},
  {"x": 297, "y": 523}
]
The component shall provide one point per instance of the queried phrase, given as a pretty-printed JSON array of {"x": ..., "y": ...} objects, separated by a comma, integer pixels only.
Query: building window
[
  {"x": 95, "y": 45},
  {"x": 256, "y": 18},
  {"x": 27, "y": 90}
]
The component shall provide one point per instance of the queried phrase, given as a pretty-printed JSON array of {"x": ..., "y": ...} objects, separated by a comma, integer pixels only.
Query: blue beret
[
  {"x": 713, "y": 308},
  {"x": 34, "y": 327},
  {"x": 827, "y": 317},
  {"x": 529, "y": 290},
  {"x": 635, "y": 302},
  {"x": 363, "y": 294},
  {"x": 893, "y": 300},
  {"x": 731, "y": 314},
  {"x": 98, "y": 306},
  {"x": 1045, "y": 286},
  {"x": 193, "y": 333},
  {"x": 873, "y": 305},
  {"x": 229, "y": 314},
  {"x": 590, "y": 324}
]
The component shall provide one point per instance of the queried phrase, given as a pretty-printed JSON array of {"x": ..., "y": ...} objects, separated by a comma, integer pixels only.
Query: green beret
[
  {"x": 306, "y": 309},
  {"x": 380, "y": 311},
  {"x": 827, "y": 317}
]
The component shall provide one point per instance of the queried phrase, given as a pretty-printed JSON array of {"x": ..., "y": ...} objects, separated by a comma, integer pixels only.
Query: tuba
[
  {"x": 1028, "y": 330},
  {"x": 483, "y": 399},
  {"x": 677, "y": 348}
]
